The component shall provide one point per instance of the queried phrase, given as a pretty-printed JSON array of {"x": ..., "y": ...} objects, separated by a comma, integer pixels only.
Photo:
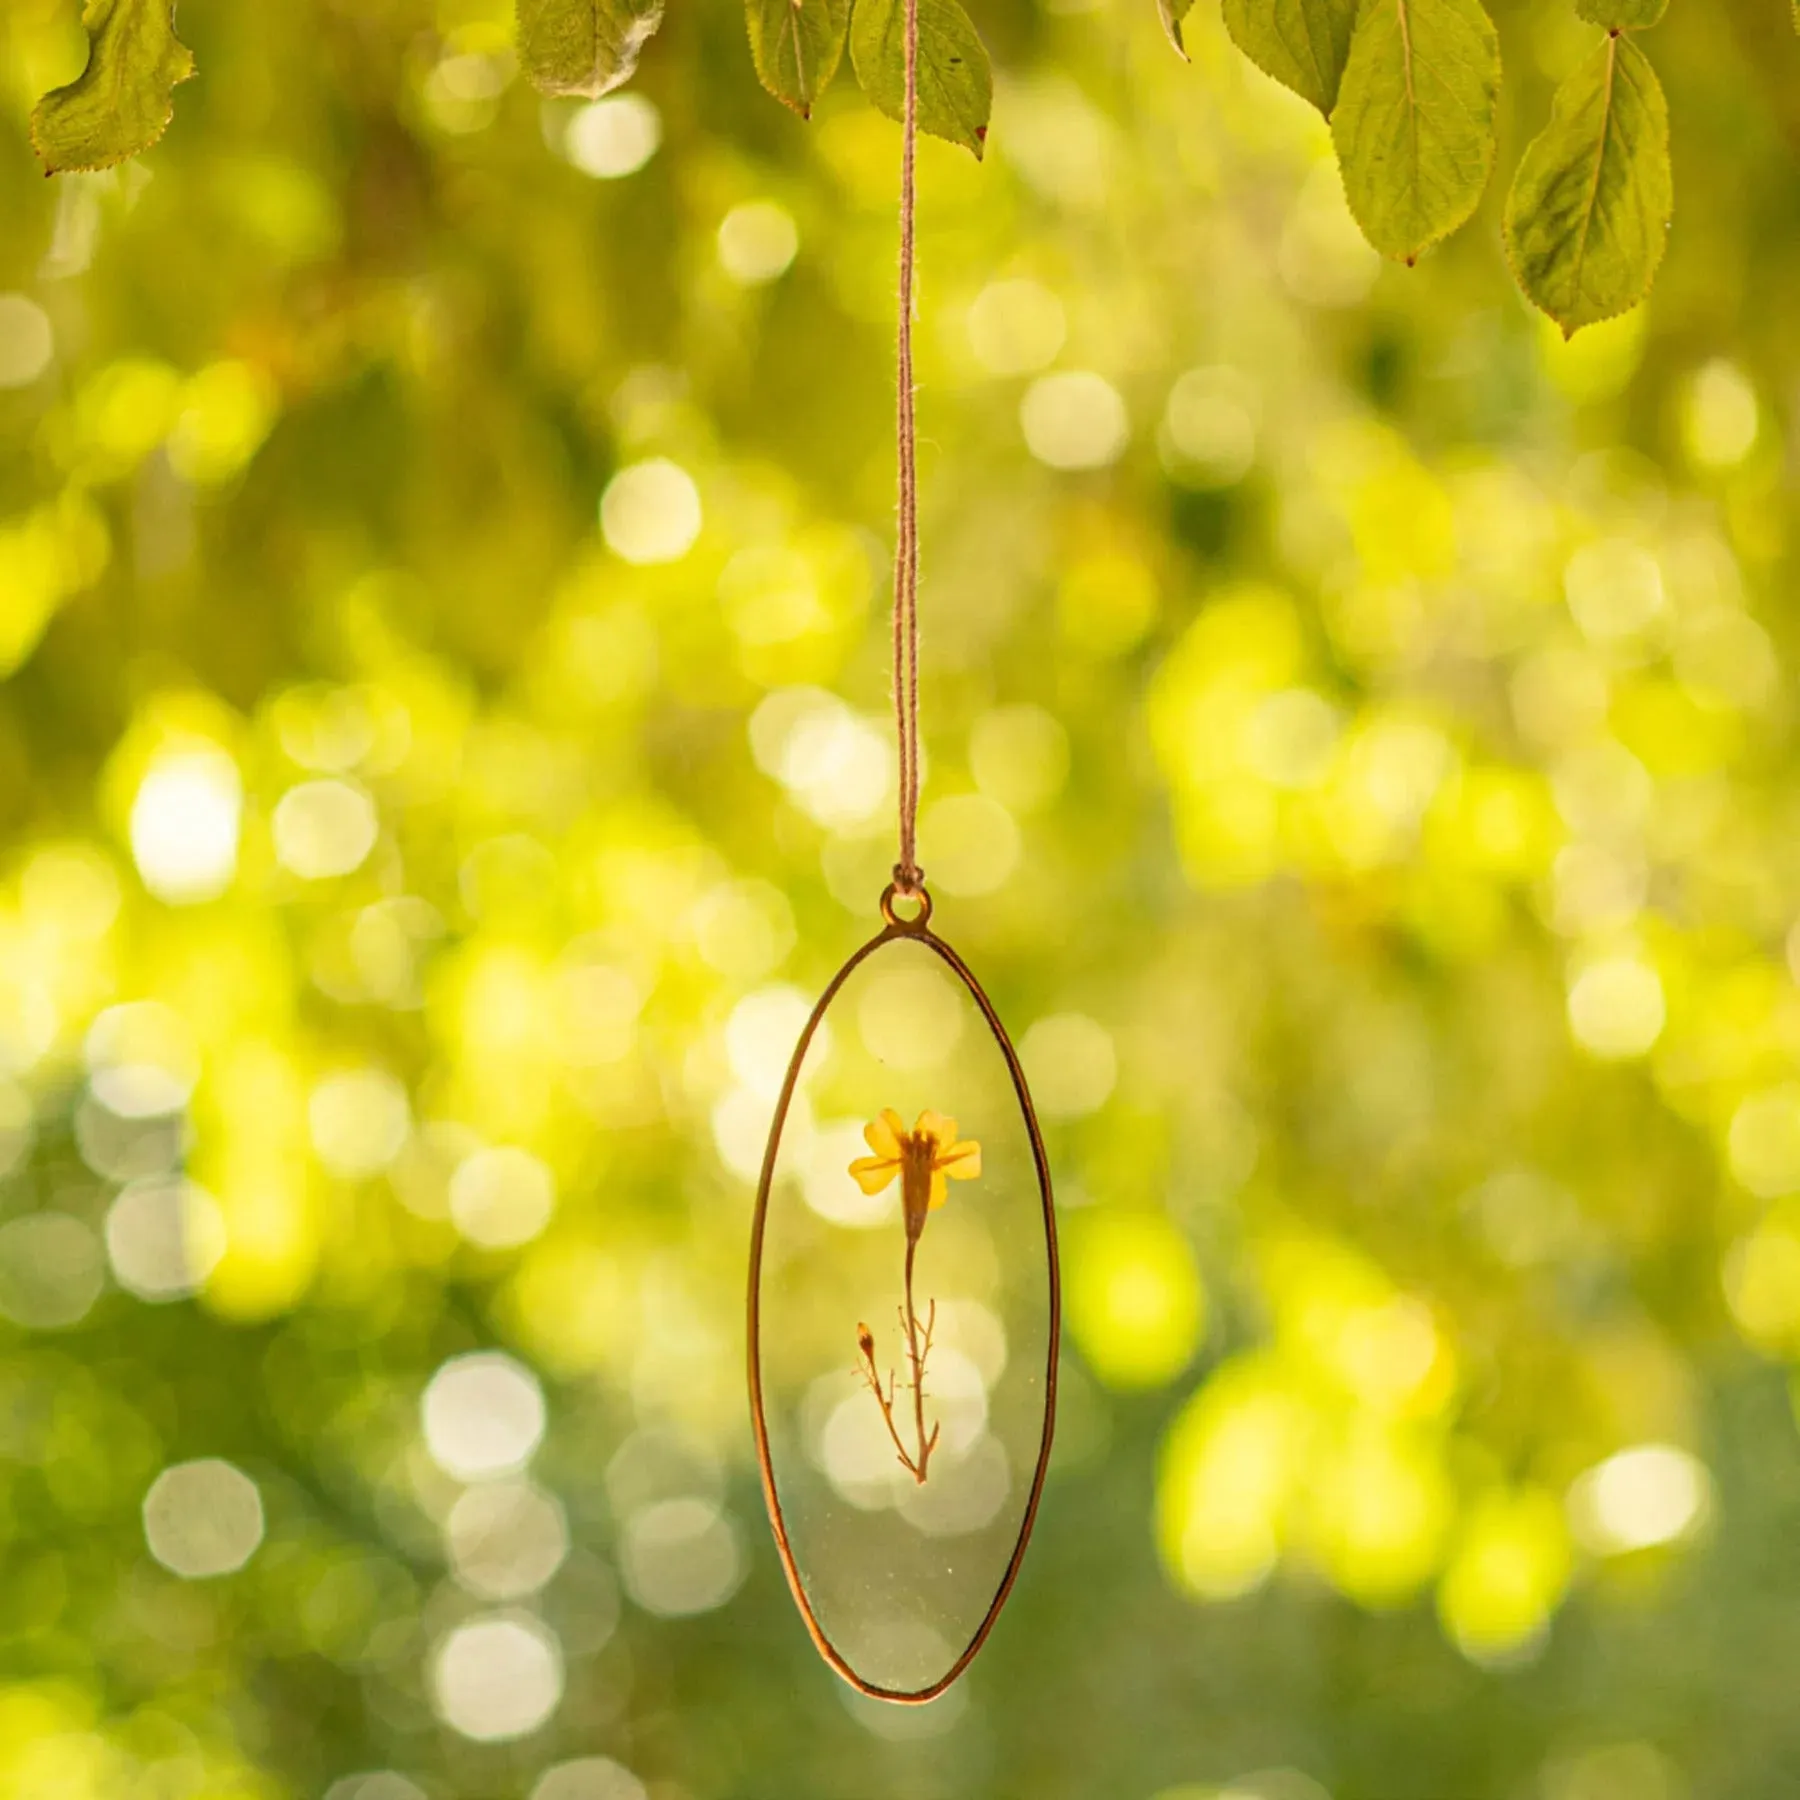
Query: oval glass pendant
[{"x": 904, "y": 1311}]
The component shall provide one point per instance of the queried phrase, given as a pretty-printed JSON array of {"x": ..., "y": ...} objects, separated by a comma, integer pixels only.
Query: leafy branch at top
[
  {"x": 1411, "y": 88},
  {"x": 122, "y": 102}
]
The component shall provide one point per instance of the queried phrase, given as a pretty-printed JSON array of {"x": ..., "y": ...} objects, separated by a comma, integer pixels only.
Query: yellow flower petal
[
  {"x": 873, "y": 1173},
  {"x": 962, "y": 1162},
  {"x": 936, "y": 1127},
  {"x": 940, "y": 1189},
  {"x": 883, "y": 1135}
]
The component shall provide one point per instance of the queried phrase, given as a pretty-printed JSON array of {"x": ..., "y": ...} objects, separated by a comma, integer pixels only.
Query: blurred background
[{"x": 444, "y": 749}]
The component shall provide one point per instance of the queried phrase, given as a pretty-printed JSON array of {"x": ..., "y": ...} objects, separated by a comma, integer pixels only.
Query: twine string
[{"x": 909, "y": 878}]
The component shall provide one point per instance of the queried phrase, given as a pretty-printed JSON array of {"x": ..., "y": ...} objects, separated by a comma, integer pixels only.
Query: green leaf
[
  {"x": 1172, "y": 12},
  {"x": 1589, "y": 210},
  {"x": 956, "y": 86},
  {"x": 796, "y": 46},
  {"x": 1414, "y": 123},
  {"x": 1304, "y": 44},
  {"x": 584, "y": 46},
  {"x": 122, "y": 102},
  {"x": 1624, "y": 15}
]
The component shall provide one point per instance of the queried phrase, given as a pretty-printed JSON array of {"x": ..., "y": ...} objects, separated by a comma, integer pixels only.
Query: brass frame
[{"x": 917, "y": 929}]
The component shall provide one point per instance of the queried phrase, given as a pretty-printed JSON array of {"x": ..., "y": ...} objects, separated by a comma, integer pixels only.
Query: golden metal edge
[{"x": 919, "y": 930}]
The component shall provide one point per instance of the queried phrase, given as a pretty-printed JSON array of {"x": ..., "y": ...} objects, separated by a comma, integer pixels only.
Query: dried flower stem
[{"x": 918, "y": 1350}]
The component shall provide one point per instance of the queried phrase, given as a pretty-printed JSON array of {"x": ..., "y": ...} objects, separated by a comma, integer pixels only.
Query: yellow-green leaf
[
  {"x": 584, "y": 46},
  {"x": 1172, "y": 12},
  {"x": 1589, "y": 210},
  {"x": 796, "y": 46},
  {"x": 1624, "y": 15},
  {"x": 1414, "y": 123},
  {"x": 122, "y": 102},
  {"x": 1304, "y": 44},
  {"x": 956, "y": 85}
]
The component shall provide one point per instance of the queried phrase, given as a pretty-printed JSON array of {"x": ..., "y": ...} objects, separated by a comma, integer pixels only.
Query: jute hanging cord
[{"x": 909, "y": 878}]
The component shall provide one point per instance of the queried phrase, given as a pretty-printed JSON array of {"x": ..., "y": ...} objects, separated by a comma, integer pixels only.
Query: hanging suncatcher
[{"x": 904, "y": 1298}]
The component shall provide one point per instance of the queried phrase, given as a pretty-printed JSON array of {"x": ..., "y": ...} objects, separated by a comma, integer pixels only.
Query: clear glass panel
[{"x": 904, "y": 1499}]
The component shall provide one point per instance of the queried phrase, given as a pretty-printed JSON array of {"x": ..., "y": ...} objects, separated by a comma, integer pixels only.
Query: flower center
[{"x": 917, "y": 1150}]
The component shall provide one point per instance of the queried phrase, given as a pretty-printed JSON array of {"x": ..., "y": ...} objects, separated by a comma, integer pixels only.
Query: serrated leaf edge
[{"x": 53, "y": 168}]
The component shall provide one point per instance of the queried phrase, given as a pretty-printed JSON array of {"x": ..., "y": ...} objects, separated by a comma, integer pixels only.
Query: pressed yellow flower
[{"x": 927, "y": 1159}]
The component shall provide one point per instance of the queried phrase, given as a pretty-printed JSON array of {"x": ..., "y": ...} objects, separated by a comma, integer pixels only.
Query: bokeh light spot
[
  {"x": 1070, "y": 1063},
  {"x": 203, "y": 1518},
  {"x": 506, "y": 1539},
  {"x": 910, "y": 1017},
  {"x": 358, "y": 1121},
  {"x": 1209, "y": 428},
  {"x": 498, "y": 1678},
  {"x": 1615, "y": 590},
  {"x": 743, "y": 928},
  {"x": 483, "y": 1415},
  {"x": 827, "y": 1188},
  {"x": 1763, "y": 1142},
  {"x": 376, "y": 1784},
  {"x": 1227, "y": 1472},
  {"x": 1074, "y": 421},
  {"x": 1648, "y": 1495},
  {"x": 1137, "y": 1308},
  {"x": 680, "y": 1557},
  {"x": 1721, "y": 418},
  {"x": 1016, "y": 327},
  {"x": 184, "y": 825},
  {"x": 589, "y": 1778},
  {"x": 613, "y": 137},
  {"x": 225, "y": 414},
  {"x": 1290, "y": 738},
  {"x": 1506, "y": 1576},
  {"x": 142, "y": 1060},
  {"x": 501, "y": 1198},
  {"x": 1105, "y": 605},
  {"x": 1380, "y": 1504},
  {"x": 838, "y": 767},
  {"x": 972, "y": 843},
  {"x": 1019, "y": 756},
  {"x": 324, "y": 829},
  {"x": 51, "y": 1271},
  {"x": 164, "y": 1236},
  {"x": 758, "y": 242},
  {"x": 650, "y": 512},
  {"x": 1616, "y": 1008},
  {"x": 27, "y": 344},
  {"x": 760, "y": 1036},
  {"x": 1762, "y": 1280}
]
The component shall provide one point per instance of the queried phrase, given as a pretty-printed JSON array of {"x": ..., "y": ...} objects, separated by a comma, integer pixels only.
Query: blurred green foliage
[{"x": 443, "y": 738}]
